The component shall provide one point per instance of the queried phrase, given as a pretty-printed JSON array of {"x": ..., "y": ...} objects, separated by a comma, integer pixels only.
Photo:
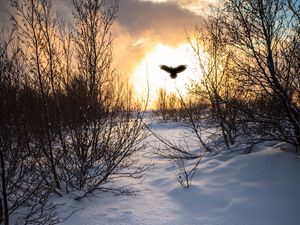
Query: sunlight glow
[{"x": 148, "y": 73}]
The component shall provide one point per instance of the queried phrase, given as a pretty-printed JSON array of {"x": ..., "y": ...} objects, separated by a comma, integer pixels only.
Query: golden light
[{"x": 147, "y": 77}]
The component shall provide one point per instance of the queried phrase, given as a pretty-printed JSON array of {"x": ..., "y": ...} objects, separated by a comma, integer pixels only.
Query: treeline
[
  {"x": 249, "y": 56},
  {"x": 65, "y": 125}
]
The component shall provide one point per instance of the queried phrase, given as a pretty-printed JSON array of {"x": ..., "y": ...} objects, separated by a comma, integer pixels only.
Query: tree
[
  {"x": 217, "y": 84},
  {"x": 103, "y": 133},
  {"x": 23, "y": 193},
  {"x": 263, "y": 36},
  {"x": 36, "y": 29},
  {"x": 84, "y": 131},
  {"x": 63, "y": 128}
]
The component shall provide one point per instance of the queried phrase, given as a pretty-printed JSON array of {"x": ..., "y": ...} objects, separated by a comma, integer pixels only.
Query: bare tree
[
  {"x": 218, "y": 85},
  {"x": 63, "y": 128},
  {"x": 36, "y": 29},
  {"x": 168, "y": 105},
  {"x": 262, "y": 33},
  {"x": 103, "y": 133},
  {"x": 23, "y": 194},
  {"x": 85, "y": 133}
]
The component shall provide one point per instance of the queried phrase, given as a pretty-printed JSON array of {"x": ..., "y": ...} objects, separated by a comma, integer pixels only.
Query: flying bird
[{"x": 173, "y": 71}]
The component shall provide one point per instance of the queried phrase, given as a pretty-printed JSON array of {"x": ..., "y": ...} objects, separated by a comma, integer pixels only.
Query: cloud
[
  {"x": 165, "y": 21},
  {"x": 143, "y": 24},
  {"x": 196, "y": 6},
  {"x": 140, "y": 25},
  {"x": 4, "y": 15}
]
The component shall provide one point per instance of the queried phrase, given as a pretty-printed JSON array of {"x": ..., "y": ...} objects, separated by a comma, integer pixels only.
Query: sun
[{"x": 148, "y": 78}]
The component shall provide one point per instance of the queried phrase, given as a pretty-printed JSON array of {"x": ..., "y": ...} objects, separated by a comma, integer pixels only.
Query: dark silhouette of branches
[
  {"x": 68, "y": 121},
  {"x": 263, "y": 33}
]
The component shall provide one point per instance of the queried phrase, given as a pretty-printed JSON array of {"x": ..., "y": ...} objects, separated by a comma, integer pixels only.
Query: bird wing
[
  {"x": 166, "y": 68},
  {"x": 180, "y": 68}
]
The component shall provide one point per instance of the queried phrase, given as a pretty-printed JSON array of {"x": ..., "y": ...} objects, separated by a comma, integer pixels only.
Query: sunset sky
[
  {"x": 150, "y": 33},
  {"x": 147, "y": 34}
]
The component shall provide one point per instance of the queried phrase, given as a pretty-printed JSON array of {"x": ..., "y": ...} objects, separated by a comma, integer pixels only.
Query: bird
[{"x": 173, "y": 71}]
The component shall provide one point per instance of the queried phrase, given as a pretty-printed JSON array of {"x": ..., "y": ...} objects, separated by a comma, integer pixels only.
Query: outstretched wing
[
  {"x": 166, "y": 68},
  {"x": 180, "y": 68}
]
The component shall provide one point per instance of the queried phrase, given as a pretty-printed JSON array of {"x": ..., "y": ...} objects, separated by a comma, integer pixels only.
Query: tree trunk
[{"x": 4, "y": 193}]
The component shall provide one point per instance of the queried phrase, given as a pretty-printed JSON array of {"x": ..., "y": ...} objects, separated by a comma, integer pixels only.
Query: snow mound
[{"x": 260, "y": 188}]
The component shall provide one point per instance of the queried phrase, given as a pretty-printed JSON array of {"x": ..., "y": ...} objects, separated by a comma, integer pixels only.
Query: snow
[{"x": 231, "y": 188}]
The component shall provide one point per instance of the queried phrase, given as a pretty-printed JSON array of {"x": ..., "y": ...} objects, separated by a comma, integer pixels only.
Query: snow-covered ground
[{"x": 260, "y": 188}]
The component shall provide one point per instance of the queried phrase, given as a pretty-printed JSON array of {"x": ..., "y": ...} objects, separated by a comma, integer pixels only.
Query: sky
[{"x": 141, "y": 26}]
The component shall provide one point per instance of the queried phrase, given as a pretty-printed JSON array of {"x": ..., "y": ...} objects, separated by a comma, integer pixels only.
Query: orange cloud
[{"x": 141, "y": 25}]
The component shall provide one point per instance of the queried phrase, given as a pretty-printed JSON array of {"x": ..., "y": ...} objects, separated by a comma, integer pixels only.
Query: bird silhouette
[{"x": 173, "y": 71}]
